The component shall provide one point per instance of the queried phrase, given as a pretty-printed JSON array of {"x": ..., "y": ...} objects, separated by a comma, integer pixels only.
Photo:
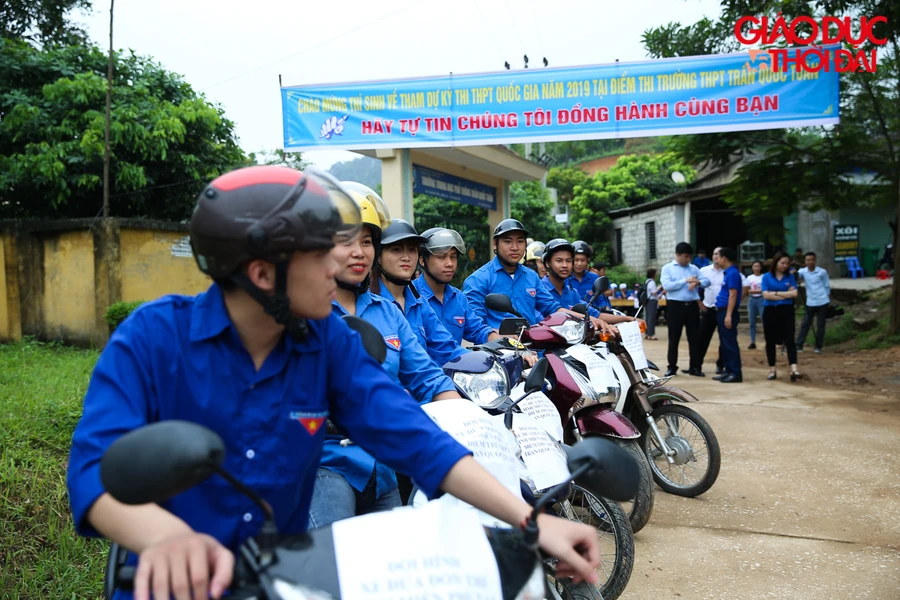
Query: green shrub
[
  {"x": 118, "y": 312},
  {"x": 622, "y": 274}
]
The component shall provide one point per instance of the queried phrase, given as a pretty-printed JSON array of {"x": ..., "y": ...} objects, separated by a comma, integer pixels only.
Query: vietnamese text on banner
[{"x": 701, "y": 94}]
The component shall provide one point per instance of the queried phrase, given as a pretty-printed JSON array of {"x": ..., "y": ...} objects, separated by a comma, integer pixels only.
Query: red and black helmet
[{"x": 268, "y": 212}]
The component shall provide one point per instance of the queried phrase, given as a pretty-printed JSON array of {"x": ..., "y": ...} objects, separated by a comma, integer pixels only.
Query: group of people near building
[{"x": 704, "y": 297}]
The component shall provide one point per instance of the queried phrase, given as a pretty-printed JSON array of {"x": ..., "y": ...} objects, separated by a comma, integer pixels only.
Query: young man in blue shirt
[
  {"x": 261, "y": 359},
  {"x": 682, "y": 282},
  {"x": 727, "y": 303},
  {"x": 818, "y": 296},
  {"x": 439, "y": 258},
  {"x": 582, "y": 279},
  {"x": 558, "y": 261}
]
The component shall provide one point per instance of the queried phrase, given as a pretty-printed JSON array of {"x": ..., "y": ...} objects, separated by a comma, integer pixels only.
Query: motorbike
[
  {"x": 681, "y": 446},
  {"x": 526, "y": 462},
  {"x": 160, "y": 460},
  {"x": 585, "y": 403}
]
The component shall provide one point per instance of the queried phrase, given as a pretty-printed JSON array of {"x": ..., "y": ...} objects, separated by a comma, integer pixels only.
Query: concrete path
[
  {"x": 864, "y": 284},
  {"x": 807, "y": 505}
]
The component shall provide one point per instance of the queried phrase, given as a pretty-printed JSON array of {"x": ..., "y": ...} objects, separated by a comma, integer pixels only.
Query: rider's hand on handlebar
[
  {"x": 530, "y": 358},
  {"x": 605, "y": 327},
  {"x": 574, "y": 544},
  {"x": 182, "y": 565}
]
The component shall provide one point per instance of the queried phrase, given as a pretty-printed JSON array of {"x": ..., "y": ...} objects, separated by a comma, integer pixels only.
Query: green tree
[
  {"x": 42, "y": 22},
  {"x": 531, "y": 204},
  {"x": 633, "y": 180},
  {"x": 565, "y": 180},
  {"x": 166, "y": 142},
  {"x": 806, "y": 168}
]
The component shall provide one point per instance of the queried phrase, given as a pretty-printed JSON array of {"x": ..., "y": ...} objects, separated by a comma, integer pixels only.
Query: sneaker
[{"x": 818, "y": 351}]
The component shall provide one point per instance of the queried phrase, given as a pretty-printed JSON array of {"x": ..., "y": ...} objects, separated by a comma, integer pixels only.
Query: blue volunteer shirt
[
  {"x": 568, "y": 298},
  {"x": 731, "y": 280},
  {"x": 585, "y": 287},
  {"x": 673, "y": 281},
  {"x": 180, "y": 357},
  {"x": 455, "y": 313},
  {"x": 770, "y": 283},
  {"x": 408, "y": 364},
  {"x": 429, "y": 330},
  {"x": 701, "y": 261},
  {"x": 526, "y": 292}
]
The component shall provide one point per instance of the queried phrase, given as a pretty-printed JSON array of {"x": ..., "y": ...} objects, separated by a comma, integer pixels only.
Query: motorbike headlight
[
  {"x": 488, "y": 389},
  {"x": 573, "y": 330}
]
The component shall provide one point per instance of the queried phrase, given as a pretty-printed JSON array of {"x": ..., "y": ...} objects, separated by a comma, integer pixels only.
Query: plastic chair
[{"x": 853, "y": 268}]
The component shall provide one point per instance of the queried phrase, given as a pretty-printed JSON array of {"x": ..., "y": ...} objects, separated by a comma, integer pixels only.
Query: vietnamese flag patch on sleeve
[{"x": 393, "y": 341}]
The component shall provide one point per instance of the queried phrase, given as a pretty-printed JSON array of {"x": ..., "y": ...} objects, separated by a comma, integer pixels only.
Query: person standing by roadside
[
  {"x": 727, "y": 303},
  {"x": 652, "y": 304},
  {"x": 818, "y": 296},
  {"x": 682, "y": 281},
  {"x": 709, "y": 318},
  {"x": 755, "y": 301},
  {"x": 779, "y": 288}
]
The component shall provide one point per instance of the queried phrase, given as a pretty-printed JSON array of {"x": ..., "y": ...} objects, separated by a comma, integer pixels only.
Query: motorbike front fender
[
  {"x": 673, "y": 393},
  {"x": 602, "y": 420}
]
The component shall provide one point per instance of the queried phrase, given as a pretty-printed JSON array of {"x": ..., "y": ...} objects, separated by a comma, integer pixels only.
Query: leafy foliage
[
  {"x": 531, "y": 204},
  {"x": 119, "y": 311},
  {"x": 634, "y": 179},
  {"x": 166, "y": 142},
  {"x": 42, "y": 22}
]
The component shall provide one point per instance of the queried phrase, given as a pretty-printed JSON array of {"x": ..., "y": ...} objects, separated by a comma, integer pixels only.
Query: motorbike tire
[
  {"x": 613, "y": 525},
  {"x": 641, "y": 507},
  {"x": 709, "y": 437},
  {"x": 567, "y": 590}
]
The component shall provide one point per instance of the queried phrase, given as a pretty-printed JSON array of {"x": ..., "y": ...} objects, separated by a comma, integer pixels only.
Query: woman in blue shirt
[
  {"x": 396, "y": 264},
  {"x": 350, "y": 481},
  {"x": 779, "y": 288}
]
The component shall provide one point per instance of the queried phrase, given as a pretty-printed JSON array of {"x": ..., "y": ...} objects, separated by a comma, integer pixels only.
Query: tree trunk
[{"x": 895, "y": 296}]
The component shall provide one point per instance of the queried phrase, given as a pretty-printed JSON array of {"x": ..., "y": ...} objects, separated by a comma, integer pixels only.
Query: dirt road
[{"x": 807, "y": 502}]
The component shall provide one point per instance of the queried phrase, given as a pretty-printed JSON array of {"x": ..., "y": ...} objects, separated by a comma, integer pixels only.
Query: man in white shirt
[{"x": 818, "y": 296}]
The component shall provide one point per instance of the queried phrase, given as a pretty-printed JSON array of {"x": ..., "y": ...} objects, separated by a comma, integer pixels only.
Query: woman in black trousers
[{"x": 779, "y": 288}]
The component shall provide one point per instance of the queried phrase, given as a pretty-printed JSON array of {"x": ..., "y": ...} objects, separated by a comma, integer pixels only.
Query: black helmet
[
  {"x": 398, "y": 231},
  {"x": 268, "y": 212},
  {"x": 582, "y": 247},
  {"x": 554, "y": 246},
  {"x": 507, "y": 225}
]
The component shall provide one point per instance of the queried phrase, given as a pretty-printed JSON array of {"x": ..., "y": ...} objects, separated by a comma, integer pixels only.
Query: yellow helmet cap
[{"x": 374, "y": 211}]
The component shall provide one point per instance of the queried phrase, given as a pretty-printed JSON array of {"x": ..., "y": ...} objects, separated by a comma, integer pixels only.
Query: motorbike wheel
[
  {"x": 641, "y": 507},
  {"x": 616, "y": 544},
  {"x": 697, "y": 458}
]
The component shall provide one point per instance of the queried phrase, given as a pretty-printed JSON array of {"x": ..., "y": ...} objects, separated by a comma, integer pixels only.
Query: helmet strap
[
  {"x": 359, "y": 288},
  {"x": 401, "y": 282},
  {"x": 278, "y": 306}
]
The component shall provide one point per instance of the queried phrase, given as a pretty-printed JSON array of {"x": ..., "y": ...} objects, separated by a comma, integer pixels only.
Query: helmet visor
[
  {"x": 445, "y": 240},
  {"x": 344, "y": 222},
  {"x": 372, "y": 196}
]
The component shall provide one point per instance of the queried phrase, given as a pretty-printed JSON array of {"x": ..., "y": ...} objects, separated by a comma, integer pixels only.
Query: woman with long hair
[
  {"x": 350, "y": 481},
  {"x": 779, "y": 288},
  {"x": 755, "y": 302}
]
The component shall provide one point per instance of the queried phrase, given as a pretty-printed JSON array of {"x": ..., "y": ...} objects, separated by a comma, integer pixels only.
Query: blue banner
[
  {"x": 450, "y": 187},
  {"x": 729, "y": 92}
]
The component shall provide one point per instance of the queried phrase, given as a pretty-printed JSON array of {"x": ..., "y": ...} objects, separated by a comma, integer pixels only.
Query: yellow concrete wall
[
  {"x": 4, "y": 309},
  {"x": 68, "y": 296},
  {"x": 154, "y": 263}
]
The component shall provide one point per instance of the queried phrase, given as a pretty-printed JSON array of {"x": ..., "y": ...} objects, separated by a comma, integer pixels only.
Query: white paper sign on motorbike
[
  {"x": 542, "y": 410},
  {"x": 631, "y": 340},
  {"x": 437, "y": 551},
  {"x": 544, "y": 459},
  {"x": 600, "y": 372}
]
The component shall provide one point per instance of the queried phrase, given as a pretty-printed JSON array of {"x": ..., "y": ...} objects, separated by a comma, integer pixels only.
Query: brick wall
[{"x": 634, "y": 237}]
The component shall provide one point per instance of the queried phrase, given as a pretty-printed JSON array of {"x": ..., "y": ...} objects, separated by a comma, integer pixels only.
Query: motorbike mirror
[
  {"x": 372, "y": 339},
  {"x": 500, "y": 303},
  {"x": 601, "y": 284},
  {"x": 512, "y": 326},
  {"x": 160, "y": 460},
  {"x": 612, "y": 473},
  {"x": 535, "y": 381},
  {"x": 581, "y": 308}
]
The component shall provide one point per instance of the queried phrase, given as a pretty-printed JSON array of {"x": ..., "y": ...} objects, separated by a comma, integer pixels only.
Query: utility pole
[{"x": 109, "y": 74}]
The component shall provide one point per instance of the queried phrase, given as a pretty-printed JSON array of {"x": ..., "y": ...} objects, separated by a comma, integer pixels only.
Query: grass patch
[
  {"x": 41, "y": 391},
  {"x": 843, "y": 329}
]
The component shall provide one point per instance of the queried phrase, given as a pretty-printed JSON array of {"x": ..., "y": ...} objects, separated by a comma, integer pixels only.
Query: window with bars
[
  {"x": 619, "y": 258},
  {"x": 650, "y": 228}
]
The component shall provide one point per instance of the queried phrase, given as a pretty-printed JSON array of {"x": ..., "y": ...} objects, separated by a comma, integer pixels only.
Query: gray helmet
[
  {"x": 398, "y": 231},
  {"x": 507, "y": 225},
  {"x": 439, "y": 240}
]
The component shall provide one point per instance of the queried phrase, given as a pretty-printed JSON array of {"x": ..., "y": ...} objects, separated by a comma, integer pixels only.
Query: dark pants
[
  {"x": 728, "y": 344},
  {"x": 709, "y": 322},
  {"x": 819, "y": 313},
  {"x": 778, "y": 327},
  {"x": 651, "y": 317},
  {"x": 687, "y": 315}
]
